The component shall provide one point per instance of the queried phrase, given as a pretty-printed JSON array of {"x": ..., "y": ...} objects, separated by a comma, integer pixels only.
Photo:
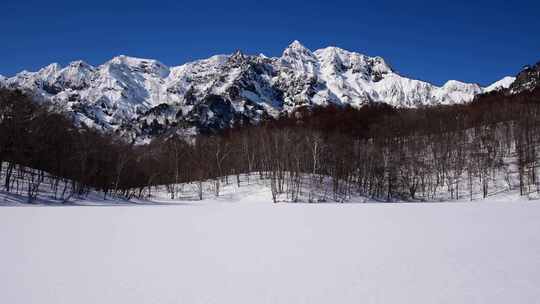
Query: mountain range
[{"x": 141, "y": 98}]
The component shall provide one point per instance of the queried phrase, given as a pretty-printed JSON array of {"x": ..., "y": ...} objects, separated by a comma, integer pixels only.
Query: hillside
[{"x": 379, "y": 152}]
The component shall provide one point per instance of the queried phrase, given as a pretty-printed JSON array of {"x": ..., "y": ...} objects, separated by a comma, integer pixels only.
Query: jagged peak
[
  {"x": 216, "y": 59},
  {"x": 238, "y": 58},
  {"x": 80, "y": 64},
  {"x": 332, "y": 55},
  {"x": 531, "y": 67},
  {"x": 209, "y": 63},
  {"x": 381, "y": 60},
  {"x": 237, "y": 55},
  {"x": 299, "y": 58},
  {"x": 134, "y": 61},
  {"x": 333, "y": 50},
  {"x": 45, "y": 71},
  {"x": 297, "y": 48},
  {"x": 337, "y": 51},
  {"x": 53, "y": 67},
  {"x": 140, "y": 64},
  {"x": 527, "y": 79},
  {"x": 296, "y": 45},
  {"x": 49, "y": 71}
]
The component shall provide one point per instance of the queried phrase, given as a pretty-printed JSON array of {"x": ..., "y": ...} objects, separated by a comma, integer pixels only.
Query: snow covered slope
[
  {"x": 504, "y": 83},
  {"x": 143, "y": 97}
]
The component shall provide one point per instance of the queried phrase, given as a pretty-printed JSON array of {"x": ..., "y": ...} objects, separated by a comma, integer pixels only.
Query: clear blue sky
[{"x": 474, "y": 41}]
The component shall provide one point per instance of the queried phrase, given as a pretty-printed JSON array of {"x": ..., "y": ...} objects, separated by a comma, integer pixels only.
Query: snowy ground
[
  {"x": 248, "y": 250},
  {"x": 241, "y": 248},
  {"x": 251, "y": 188}
]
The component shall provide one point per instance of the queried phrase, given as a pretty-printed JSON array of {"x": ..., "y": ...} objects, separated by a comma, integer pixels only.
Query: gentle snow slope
[
  {"x": 504, "y": 83},
  {"x": 252, "y": 252}
]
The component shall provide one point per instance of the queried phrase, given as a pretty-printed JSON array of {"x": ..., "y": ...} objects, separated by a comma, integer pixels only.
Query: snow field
[{"x": 253, "y": 251}]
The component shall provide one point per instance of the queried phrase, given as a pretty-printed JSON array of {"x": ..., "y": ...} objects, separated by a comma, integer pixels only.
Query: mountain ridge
[{"x": 140, "y": 97}]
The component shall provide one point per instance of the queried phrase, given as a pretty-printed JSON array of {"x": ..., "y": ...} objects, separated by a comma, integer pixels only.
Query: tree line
[{"x": 319, "y": 154}]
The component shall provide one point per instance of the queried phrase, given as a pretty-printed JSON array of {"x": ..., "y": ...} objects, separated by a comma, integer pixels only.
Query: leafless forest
[{"x": 378, "y": 151}]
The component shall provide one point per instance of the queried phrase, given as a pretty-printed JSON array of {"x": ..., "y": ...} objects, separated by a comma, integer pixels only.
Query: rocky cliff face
[
  {"x": 141, "y": 98},
  {"x": 527, "y": 79}
]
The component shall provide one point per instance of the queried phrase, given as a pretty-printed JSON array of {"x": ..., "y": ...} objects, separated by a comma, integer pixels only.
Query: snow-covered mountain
[
  {"x": 502, "y": 84},
  {"x": 143, "y": 97}
]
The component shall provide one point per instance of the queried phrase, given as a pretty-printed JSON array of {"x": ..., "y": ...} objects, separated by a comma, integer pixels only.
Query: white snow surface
[
  {"x": 241, "y": 248},
  {"x": 255, "y": 252},
  {"x": 504, "y": 83}
]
